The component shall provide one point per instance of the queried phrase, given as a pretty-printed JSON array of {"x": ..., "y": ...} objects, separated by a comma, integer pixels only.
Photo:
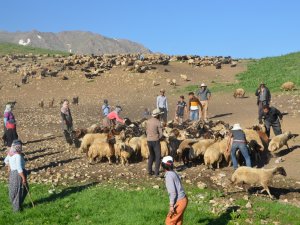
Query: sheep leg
[
  {"x": 265, "y": 188},
  {"x": 288, "y": 147},
  {"x": 109, "y": 161}
]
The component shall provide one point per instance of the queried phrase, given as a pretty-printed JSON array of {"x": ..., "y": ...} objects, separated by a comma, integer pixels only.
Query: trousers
[{"x": 154, "y": 155}]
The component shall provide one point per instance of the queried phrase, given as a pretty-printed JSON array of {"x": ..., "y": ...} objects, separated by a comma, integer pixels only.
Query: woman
[
  {"x": 113, "y": 117},
  {"x": 67, "y": 122},
  {"x": 178, "y": 199},
  {"x": 18, "y": 186},
  {"x": 9, "y": 117},
  {"x": 11, "y": 132}
]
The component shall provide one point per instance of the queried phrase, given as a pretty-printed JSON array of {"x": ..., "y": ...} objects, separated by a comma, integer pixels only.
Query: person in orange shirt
[{"x": 194, "y": 107}]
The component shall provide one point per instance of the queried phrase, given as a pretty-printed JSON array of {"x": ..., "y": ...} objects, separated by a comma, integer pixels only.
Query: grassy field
[
  {"x": 274, "y": 71},
  {"x": 114, "y": 205},
  {"x": 8, "y": 48}
]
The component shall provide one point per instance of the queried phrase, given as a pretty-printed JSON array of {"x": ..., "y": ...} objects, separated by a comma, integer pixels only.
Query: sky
[{"x": 238, "y": 28}]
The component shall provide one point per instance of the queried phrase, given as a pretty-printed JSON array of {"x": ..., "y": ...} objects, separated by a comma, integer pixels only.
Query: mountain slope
[
  {"x": 9, "y": 48},
  {"x": 73, "y": 41}
]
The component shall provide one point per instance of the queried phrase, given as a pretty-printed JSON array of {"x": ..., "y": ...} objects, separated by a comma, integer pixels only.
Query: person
[
  {"x": 18, "y": 186},
  {"x": 181, "y": 108},
  {"x": 263, "y": 98},
  {"x": 8, "y": 116},
  {"x": 162, "y": 105},
  {"x": 204, "y": 95},
  {"x": 113, "y": 117},
  {"x": 154, "y": 134},
  {"x": 67, "y": 124},
  {"x": 237, "y": 140},
  {"x": 105, "y": 108},
  {"x": 11, "y": 132},
  {"x": 177, "y": 196},
  {"x": 272, "y": 117},
  {"x": 194, "y": 107}
]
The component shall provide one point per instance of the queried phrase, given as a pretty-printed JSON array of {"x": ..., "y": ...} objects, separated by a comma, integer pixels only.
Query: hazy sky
[{"x": 240, "y": 28}]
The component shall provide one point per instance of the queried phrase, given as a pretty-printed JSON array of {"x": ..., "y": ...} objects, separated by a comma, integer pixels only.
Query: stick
[{"x": 29, "y": 195}]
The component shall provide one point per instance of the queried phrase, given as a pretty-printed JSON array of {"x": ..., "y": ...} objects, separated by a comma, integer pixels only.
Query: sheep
[
  {"x": 240, "y": 93},
  {"x": 155, "y": 83},
  {"x": 88, "y": 140},
  {"x": 254, "y": 139},
  {"x": 288, "y": 86},
  {"x": 164, "y": 150},
  {"x": 214, "y": 152},
  {"x": 279, "y": 141},
  {"x": 184, "y": 77},
  {"x": 183, "y": 149},
  {"x": 123, "y": 152},
  {"x": 174, "y": 82},
  {"x": 135, "y": 144},
  {"x": 168, "y": 80},
  {"x": 256, "y": 176},
  {"x": 75, "y": 100},
  {"x": 101, "y": 149},
  {"x": 200, "y": 147}
]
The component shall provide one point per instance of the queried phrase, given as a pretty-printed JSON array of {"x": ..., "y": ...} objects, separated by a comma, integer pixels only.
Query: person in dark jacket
[
  {"x": 237, "y": 141},
  {"x": 263, "y": 98},
  {"x": 272, "y": 117},
  {"x": 67, "y": 124}
]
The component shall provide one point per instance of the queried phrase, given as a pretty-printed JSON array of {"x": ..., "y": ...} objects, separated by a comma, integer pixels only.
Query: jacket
[{"x": 268, "y": 95}]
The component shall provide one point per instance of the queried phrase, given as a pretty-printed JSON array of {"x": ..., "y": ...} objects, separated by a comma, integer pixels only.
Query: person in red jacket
[{"x": 113, "y": 117}]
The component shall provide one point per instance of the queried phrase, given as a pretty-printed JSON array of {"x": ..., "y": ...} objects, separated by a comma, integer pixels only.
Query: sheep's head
[{"x": 280, "y": 170}]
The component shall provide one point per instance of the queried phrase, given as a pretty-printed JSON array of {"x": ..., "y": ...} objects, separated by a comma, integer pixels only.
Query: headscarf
[
  {"x": 118, "y": 109},
  {"x": 7, "y": 108},
  {"x": 65, "y": 108},
  {"x": 16, "y": 148}
]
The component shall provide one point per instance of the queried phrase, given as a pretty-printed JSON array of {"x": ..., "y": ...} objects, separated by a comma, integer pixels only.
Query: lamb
[
  {"x": 88, "y": 140},
  {"x": 288, "y": 86},
  {"x": 135, "y": 144},
  {"x": 200, "y": 147},
  {"x": 239, "y": 93},
  {"x": 256, "y": 176},
  {"x": 123, "y": 152},
  {"x": 184, "y": 77},
  {"x": 279, "y": 141},
  {"x": 101, "y": 149},
  {"x": 213, "y": 154},
  {"x": 174, "y": 82},
  {"x": 184, "y": 148}
]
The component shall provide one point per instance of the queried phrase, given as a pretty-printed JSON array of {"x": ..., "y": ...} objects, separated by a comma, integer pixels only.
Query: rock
[
  {"x": 48, "y": 135},
  {"x": 155, "y": 187},
  {"x": 201, "y": 185},
  {"x": 248, "y": 205}
]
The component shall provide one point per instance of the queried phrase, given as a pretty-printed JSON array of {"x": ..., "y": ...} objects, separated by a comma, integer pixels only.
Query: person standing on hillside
[
  {"x": 154, "y": 134},
  {"x": 10, "y": 130},
  {"x": 263, "y": 98},
  {"x": 181, "y": 108},
  {"x": 194, "y": 107},
  {"x": 162, "y": 105},
  {"x": 204, "y": 97},
  {"x": 272, "y": 117},
  {"x": 178, "y": 200}
]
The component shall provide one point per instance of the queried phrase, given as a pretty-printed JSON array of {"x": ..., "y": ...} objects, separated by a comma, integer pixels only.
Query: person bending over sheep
[
  {"x": 238, "y": 141},
  {"x": 272, "y": 117},
  {"x": 113, "y": 117},
  {"x": 178, "y": 199}
]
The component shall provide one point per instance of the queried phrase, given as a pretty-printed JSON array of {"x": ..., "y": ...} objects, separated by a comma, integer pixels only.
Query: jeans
[
  {"x": 194, "y": 115},
  {"x": 154, "y": 154},
  {"x": 244, "y": 150},
  {"x": 276, "y": 127}
]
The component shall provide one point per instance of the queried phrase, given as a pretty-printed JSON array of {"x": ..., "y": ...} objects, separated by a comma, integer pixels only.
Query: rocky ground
[{"x": 50, "y": 160}]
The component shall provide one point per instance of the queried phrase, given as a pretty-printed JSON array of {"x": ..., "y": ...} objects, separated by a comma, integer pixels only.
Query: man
[
  {"x": 263, "y": 98},
  {"x": 154, "y": 134},
  {"x": 194, "y": 107},
  {"x": 162, "y": 105},
  {"x": 181, "y": 108},
  {"x": 204, "y": 96},
  {"x": 272, "y": 117}
]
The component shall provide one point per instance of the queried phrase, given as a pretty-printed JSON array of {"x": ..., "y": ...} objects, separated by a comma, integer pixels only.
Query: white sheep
[
  {"x": 164, "y": 150},
  {"x": 101, "y": 149},
  {"x": 279, "y": 141},
  {"x": 123, "y": 152},
  {"x": 213, "y": 154},
  {"x": 174, "y": 83},
  {"x": 200, "y": 147},
  {"x": 88, "y": 140},
  {"x": 288, "y": 86},
  {"x": 135, "y": 144},
  {"x": 239, "y": 93},
  {"x": 256, "y": 176}
]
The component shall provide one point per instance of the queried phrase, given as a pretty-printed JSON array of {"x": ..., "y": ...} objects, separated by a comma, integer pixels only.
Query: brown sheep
[
  {"x": 88, "y": 140},
  {"x": 213, "y": 154},
  {"x": 288, "y": 86},
  {"x": 123, "y": 152},
  {"x": 256, "y": 176},
  {"x": 239, "y": 93}
]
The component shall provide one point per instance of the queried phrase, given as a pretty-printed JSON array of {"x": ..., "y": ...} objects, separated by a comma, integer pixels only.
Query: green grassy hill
[{"x": 8, "y": 48}]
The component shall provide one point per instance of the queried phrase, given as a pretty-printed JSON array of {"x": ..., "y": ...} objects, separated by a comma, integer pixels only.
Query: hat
[
  {"x": 156, "y": 112},
  {"x": 167, "y": 159},
  {"x": 8, "y": 107},
  {"x": 236, "y": 126},
  {"x": 262, "y": 83},
  {"x": 162, "y": 90},
  {"x": 203, "y": 85}
]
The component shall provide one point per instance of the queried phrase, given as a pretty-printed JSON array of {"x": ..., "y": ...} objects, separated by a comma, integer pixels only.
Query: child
[
  {"x": 181, "y": 107},
  {"x": 178, "y": 199}
]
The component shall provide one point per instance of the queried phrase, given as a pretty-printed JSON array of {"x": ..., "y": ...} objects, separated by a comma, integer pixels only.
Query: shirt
[
  {"x": 180, "y": 108},
  {"x": 204, "y": 94},
  {"x": 194, "y": 103},
  {"x": 105, "y": 109},
  {"x": 238, "y": 135},
  {"x": 115, "y": 116},
  {"x": 263, "y": 95},
  {"x": 15, "y": 162},
  {"x": 153, "y": 130},
  {"x": 174, "y": 187},
  {"x": 273, "y": 115},
  {"x": 161, "y": 102}
]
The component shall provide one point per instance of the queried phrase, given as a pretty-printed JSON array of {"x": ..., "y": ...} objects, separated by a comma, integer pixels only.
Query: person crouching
[
  {"x": 178, "y": 199},
  {"x": 18, "y": 186}
]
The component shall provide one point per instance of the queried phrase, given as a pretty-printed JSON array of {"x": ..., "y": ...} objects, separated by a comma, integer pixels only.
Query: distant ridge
[{"x": 78, "y": 42}]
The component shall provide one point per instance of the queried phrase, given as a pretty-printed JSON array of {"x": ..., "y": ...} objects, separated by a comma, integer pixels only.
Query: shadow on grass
[
  {"x": 223, "y": 219},
  {"x": 64, "y": 193}
]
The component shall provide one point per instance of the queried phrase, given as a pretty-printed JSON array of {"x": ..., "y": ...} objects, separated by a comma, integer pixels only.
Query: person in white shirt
[
  {"x": 18, "y": 185},
  {"x": 162, "y": 105}
]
